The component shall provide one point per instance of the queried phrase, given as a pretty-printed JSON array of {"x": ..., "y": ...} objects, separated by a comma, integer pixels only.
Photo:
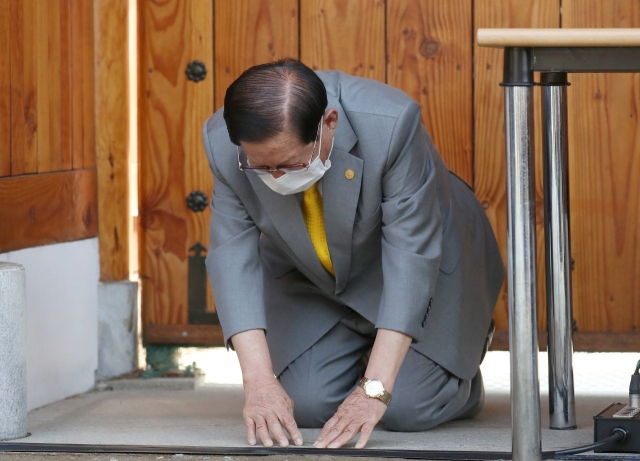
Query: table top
[{"x": 500, "y": 38}]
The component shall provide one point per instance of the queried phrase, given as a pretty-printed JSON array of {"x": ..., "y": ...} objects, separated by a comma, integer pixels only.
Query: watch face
[{"x": 373, "y": 388}]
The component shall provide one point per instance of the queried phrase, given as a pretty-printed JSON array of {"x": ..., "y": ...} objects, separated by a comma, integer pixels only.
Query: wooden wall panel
[
  {"x": 604, "y": 159},
  {"x": 47, "y": 208},
  {"x": 250, "y": 32},
  {"x": 489, "y": 160},
  {"x": 18, "y": 123},
  {"x": 41, "y": 86},
  {"x": 77, "y": 74},
  {"x": 65, "y": 110},
  {"x": 19, "y": 111},
  {"x": 40, "y": 52},
  {"x": 112, "y": 137},
  {"x": 5, "y": 89},
  {"x": 42, "y": 82},
  {"x": 429, "y": 57},
  {"x": 83, "y": 73},
  {"x": 24, "y": 88},
  {"x": 344, "y": 35},
  {"x": 172, "y": 159},
  {"x": 52, "y": 70}
]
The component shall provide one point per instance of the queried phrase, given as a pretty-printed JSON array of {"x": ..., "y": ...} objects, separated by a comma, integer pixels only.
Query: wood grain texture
[
  {"x": 112, "y": 137},
  {"x": 47, "y": 208},
  {"x": 344, "y": 35},
  {"x": 51, "y": 89},
  {"x": 5, "y": 88},
  {"x": 84, "y": 38},
  {"x": 172, "y": 158},
  {"x": 18, "y": 112},
  {"x": 66, "y": 104},
  {"x": 489, "y": 156},
  {"x": 604, "y": 166},
  {"x": 429, "y": 57},
  {"x": 77, "y": 78},
  {"x": 250, "y": 32},
  {"x": 24, "y": 155},
  {"x": 184, "y": 335},
  {"x": 43, "y": 68},
  {"x": 54, "y": 162}
]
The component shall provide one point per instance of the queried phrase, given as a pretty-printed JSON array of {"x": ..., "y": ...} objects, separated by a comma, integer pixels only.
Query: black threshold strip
[
  {"x": 251, "y": 451},
  {"x": 9, "y": 447}
]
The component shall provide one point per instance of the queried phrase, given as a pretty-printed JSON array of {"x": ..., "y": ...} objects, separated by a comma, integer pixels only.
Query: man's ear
[{"x": 331, "y": 118}]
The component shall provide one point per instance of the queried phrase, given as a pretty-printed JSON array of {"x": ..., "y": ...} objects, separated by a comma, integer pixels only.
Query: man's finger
[
  {"x": 263, "y": 431},
  {"x": 365, "y": 433},
  {"x": 327, "y": 427},
  {"x": 347, "y": 434},
  {"x": 292, "y": 428},
  {"x": 329, "y": 434},
  {"x": 250, "y": 426},
  {"x": 276, "y": 429}
]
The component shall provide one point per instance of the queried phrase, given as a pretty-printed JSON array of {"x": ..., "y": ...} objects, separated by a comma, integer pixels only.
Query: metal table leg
[
  {"x": 562, "y": 412},
  {"x": 521, "y": 246}
]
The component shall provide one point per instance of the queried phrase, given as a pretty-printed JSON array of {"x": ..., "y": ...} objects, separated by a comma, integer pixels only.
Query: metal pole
[
  {"x": 562, "y": 412},
  {"x": 521, "y": 249}
]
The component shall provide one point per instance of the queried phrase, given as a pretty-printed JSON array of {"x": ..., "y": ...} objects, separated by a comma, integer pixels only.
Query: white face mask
[{"x": 292, "y": 183}]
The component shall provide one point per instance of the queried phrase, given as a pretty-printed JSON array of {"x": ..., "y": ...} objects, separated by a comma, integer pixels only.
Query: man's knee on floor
[
  {"x": 411, "y": 412},
  {"x": 401, "y": 416}
]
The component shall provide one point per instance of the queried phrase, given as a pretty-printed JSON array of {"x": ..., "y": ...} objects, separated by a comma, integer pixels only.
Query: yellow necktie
[{"x": 314, "y": 219}]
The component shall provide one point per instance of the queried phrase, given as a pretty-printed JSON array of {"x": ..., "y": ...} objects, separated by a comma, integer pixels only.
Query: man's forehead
[{"x": 278, "y": 150}]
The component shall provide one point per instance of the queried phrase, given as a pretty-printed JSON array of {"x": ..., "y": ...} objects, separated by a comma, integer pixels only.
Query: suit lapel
[
  {"x": 340, "y": 201},
  {"x": 340, "y": 195}
]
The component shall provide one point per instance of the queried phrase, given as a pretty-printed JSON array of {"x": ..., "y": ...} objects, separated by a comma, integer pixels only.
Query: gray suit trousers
[{"x": 425, "y": 394}]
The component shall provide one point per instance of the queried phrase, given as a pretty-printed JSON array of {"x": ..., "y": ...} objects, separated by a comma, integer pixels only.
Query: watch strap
[{"x": 384, "y": 396}]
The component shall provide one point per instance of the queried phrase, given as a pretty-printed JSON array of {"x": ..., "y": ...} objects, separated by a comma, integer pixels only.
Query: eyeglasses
[{"x": 287, "y": 169}]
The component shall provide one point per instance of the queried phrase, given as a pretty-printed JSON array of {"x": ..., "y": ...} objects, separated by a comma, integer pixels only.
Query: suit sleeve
[
  {"x": 411, "y": 227},
  {"x": 233, "y": 262}
]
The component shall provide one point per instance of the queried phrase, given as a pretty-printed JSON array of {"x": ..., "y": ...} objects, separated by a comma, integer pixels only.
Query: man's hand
[
  {"x": 267, "y": 408},
  {"x": 357, "y": 414}
]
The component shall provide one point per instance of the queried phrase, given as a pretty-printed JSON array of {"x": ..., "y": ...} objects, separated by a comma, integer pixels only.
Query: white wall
[{"x": 62, "y": 325}]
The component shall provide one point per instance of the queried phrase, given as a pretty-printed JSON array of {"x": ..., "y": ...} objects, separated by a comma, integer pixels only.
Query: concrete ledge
[
  {"x": 117, "y": 328},
  {"x": 167, "y": 384}
]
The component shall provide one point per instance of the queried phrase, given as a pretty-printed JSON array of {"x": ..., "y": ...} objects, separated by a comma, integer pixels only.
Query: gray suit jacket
[{"x": 411, "y": 246}]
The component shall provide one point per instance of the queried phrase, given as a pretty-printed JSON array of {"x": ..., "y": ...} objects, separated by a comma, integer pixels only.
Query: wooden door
[
  {"x": 175, "y": 180},
  {"x": 426, "y": 48}
]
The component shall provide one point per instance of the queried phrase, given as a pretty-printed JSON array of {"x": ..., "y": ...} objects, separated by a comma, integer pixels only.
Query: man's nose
[{"x": 276, "y": 174}]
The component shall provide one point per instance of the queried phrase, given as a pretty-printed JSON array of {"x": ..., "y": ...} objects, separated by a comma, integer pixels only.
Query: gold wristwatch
[{"x": 374, "y": 389}]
